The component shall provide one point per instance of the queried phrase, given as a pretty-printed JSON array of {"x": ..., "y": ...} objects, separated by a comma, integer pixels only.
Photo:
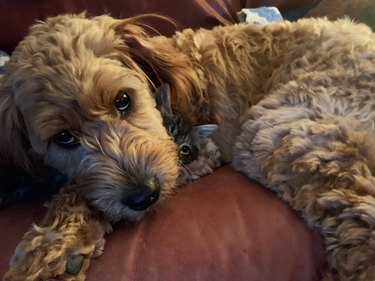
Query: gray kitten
[{"x": 199, "y": 155}]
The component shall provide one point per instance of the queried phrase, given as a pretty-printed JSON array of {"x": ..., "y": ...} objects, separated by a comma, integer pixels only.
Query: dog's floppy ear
[
  {"x": 14, "y": 146},
  {"x": 162, "y": 63}
]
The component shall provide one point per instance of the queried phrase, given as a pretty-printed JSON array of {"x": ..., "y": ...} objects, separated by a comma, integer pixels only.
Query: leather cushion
[{"x": 221, "y": 227}]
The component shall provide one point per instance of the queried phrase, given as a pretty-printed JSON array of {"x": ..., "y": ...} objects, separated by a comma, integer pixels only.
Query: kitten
[{"x": 198, "y": 154}]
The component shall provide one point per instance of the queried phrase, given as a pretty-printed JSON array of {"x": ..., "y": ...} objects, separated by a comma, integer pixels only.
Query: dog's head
[{"x": 78, "y": 95}]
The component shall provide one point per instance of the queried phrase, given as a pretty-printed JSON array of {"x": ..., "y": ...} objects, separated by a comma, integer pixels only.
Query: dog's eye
[
  {"x": 185, "y": 149},
  {"x": 65, "y": 139},
  {"x": 122, "y": 101}
]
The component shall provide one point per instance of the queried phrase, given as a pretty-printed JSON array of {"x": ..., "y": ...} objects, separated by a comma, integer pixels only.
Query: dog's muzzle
[{"x": 144, "y": 195}]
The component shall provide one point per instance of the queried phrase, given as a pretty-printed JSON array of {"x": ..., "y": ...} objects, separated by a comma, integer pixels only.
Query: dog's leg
[
  {"x": 60, "y": 248},
  {"x": 324, "y": 168}
]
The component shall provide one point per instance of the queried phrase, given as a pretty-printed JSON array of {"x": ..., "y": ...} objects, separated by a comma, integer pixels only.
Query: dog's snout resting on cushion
[
  {"x": 78, "y": 95},
  {"x": 89, "y": 112}
]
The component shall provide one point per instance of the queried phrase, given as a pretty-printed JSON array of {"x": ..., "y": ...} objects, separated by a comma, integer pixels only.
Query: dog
[
  {"x": 77, "y": 96},
  {"x": 72, "y": 233}
]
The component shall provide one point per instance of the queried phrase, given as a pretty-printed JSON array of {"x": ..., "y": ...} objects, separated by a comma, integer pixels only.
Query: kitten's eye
[
  {"x": 122, "y": 101},
  {"x": 65, "y": 139},
  {"x": 185, "y": 149}
]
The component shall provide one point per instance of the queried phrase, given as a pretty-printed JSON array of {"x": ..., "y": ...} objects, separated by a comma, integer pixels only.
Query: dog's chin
[
  {"x": 116, "y": 211},
  {"x": 125, "y": 213}
]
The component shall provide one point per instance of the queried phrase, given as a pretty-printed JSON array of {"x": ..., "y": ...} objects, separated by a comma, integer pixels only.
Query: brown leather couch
[{"x": 221, "y": 227}]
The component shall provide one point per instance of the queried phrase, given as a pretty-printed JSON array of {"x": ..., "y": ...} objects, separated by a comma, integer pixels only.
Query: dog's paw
[
  {"x": 60, "y": 249},
  {"x": 56, "y": 254}
]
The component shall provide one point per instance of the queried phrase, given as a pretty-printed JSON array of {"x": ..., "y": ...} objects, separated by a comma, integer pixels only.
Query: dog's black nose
[{"x": 144, "y": 195}]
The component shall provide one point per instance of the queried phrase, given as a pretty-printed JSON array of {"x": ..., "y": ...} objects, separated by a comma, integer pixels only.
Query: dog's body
[{"x": 78, "y": 93}]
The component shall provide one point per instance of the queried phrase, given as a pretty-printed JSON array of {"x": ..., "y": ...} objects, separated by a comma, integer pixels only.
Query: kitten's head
[{"x": 197, "y": 152}]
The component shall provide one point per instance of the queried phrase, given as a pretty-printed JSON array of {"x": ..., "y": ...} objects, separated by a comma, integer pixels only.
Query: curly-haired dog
[
  {"x": 72, "y": 233},
  {"x": 78, "y": 95}
]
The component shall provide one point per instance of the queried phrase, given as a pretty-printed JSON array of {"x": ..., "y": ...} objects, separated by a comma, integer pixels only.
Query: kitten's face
[
  {"x": 181, "y": 132},
  {"x": 197, "y": 152}
]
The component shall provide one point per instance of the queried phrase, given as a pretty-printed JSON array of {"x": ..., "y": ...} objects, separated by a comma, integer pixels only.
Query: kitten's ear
[
  {"x": 202, "y": 132},
  {"x": 163, "y": 99}
]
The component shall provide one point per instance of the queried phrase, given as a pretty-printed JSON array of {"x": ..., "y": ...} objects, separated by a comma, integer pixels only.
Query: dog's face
[{"x": 75, "y": 95}]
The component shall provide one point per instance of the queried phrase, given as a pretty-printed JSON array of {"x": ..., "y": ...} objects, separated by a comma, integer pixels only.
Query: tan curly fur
[
  {"x": 69, "y": 228},
  {"x": 308, "y": 133},
  {"x": 72, "y": 228}
]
